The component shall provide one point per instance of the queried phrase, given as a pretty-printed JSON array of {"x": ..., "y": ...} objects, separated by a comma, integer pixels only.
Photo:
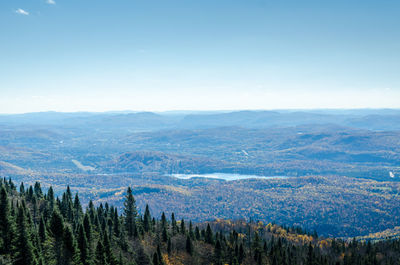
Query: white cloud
[
  {"x": 51, "y": 2},
  {"x": 22, "y": 12}
]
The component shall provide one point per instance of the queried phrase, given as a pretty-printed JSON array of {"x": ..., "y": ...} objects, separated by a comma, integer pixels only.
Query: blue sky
[{"x": 87, "y": 55}]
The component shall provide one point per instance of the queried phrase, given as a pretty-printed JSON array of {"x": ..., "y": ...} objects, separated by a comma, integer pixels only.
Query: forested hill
[{"x": 37, "y": 228}]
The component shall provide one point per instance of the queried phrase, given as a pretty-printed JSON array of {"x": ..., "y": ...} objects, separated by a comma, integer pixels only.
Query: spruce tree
[
  {"x": 146, "y": 219},
  {"x": 107, "y": 250},
  {"x": 173, "y": 223},
  {"x": 183, "y": 228},
  {"x": 83, "y": 246},
  {"x": 130, "y": 213},
  {"x": 155, "y": 259},
  {"x": 22, "y": 189},
  {"x": 56, "y": 229},
  {"x": 189, "y": 246},
  {"x": 38, "y": 190},
  {"x": 100, "y": 258},
  {"x": 160, "y": 257},
  {"x": 169, "y": 246},
  {"x": 164, "y": 234},
  {"x": 7, "y": 225},
  {"x": 71, "y": 253},
  {"x": 209, "y": 235},
  {"x": 25, "y": 250},
  {"x": 78, "y": 212},
  {"x": 42, "y": 230}
]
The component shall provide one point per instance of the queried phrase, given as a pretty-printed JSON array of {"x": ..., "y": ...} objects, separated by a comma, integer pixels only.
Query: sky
[{"x": 156, "y": 55}]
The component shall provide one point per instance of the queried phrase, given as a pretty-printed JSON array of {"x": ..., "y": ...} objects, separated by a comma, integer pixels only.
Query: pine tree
[
  {"x": 189, "y": 246},
  {"x": 191, "y": 233},
  {"x": 130, "y": 213},
  {"x": 42, "y": 230},
  {"x": 310, "y": 255},
  {"x": 169, "y": 246},
  {"x": 101, "y": 258},
  {"x": 218, "y": 251},
  {"x": 25, "y": 250},
  {"x": 146, "y": 219},
  {"x": 160, "y": 257},
  {"x": 107, "y": 250},
  {"x": 38, "y": 190},
  {"x": 22, "y": 189},
  {"x": 173, "y": 223},
  {"x": 241, "y": 254},
  {"x": 164, "y": 234},
  {"x": 183, "y": 228},
  {"x": 197, "y": 233},
  {"x": 141, "y": 256},
  {"x": 7, "y": 225},
  {"x": 117, "y": 229},
  {"x": 50, "y": 199},
  {"x": 155, "y": 259},
  {"x": 78, "y": 212},
  {"x": 83, "y": 246},
  {"x": 71, "y": 253},
  {"x": 209, "y": 235},
  {"x": 57, "y": 231}
]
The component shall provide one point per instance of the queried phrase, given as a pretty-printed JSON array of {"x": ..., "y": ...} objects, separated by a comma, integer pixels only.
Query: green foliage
[
  {"x": 97, "y": 238},
  {"x": 7, "y": 225},
  {"x": 130, "y": 213},
  {"x": 25, "y": 250}
]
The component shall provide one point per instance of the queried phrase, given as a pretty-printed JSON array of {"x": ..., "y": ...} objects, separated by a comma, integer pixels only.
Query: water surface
[{"x": 224, "y": 176}]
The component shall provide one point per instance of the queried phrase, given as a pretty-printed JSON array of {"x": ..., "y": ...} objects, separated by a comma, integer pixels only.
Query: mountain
[{"x": 161, "y": 163}]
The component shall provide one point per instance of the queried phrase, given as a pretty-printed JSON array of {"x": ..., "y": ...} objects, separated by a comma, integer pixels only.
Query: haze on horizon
[{"x": 71, "y": 55}]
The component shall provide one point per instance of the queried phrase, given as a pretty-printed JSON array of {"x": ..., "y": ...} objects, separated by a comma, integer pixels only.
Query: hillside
[{"x": 37, "y": 229}]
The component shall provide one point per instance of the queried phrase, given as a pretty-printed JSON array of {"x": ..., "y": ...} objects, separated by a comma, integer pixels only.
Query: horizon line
[{"x": 199, "y": 111}]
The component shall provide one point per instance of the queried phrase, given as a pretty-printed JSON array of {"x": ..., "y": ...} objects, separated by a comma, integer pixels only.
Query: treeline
[{"x": 37, "y": 228}]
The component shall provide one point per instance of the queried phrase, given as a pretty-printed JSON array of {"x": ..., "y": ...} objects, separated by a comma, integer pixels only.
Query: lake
[{"x": 224, "y": 176}]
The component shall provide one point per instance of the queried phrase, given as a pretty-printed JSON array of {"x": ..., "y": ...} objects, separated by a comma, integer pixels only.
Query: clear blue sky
[{"x": 98, "y": 55}]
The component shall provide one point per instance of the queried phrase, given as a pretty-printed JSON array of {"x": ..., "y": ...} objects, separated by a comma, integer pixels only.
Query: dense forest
[{"x": 38, "y": 228}]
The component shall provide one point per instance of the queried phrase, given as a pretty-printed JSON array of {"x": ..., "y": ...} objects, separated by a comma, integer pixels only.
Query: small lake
[{"x": 224, "y": 176}]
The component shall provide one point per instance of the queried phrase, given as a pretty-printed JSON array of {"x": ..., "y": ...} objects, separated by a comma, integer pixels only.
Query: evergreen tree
[
  {"x": 130, "y": 213},
  {"x": 101, "y": 258},
  {"x": 189, "y": 246},
  {"x": 7, "y": 225},
  {"x": 218, "y": 252},
  {"x": 197, "y": 233},
  {"x": 78, "y": 212},
  {"x": 209, "y": 235},
  {"x": 155, "y": 259},
  {"x": 164, "y": 234},
  {"x": 191, "y": 233},
  {"x": 160, "y": 257},
  {"x": 141, "y": 256},
  {"x": 71, "y": 253},
  {"x": 25, "y": 250},
  {"x": 83, "y": 246},
  {"x": 22, "y": 189},
  {"x": 42, "y": 230},
  {"x": 57, "y": 231},
  {"x": 107, "y": 250},
  {"x": 147, "y": 219},
  {"x": 310, "y": 255},
  {"x": 183, "y": 228},
  {"x": 169, "y": 246},
  {"x": 173, "y": 223},
  {"x": 38, "y": 190}
]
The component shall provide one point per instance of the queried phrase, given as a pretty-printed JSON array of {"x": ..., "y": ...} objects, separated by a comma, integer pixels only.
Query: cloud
[
  {"x": 51, "y": 2},
  {"x": 22, "y": 12}
]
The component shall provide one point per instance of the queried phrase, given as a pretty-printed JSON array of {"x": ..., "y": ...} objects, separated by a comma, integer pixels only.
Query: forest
[{"x": 36, "y": 227}]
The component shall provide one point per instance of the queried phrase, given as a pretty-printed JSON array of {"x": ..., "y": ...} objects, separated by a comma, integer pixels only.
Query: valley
[{"x": 341, "y": 175}]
